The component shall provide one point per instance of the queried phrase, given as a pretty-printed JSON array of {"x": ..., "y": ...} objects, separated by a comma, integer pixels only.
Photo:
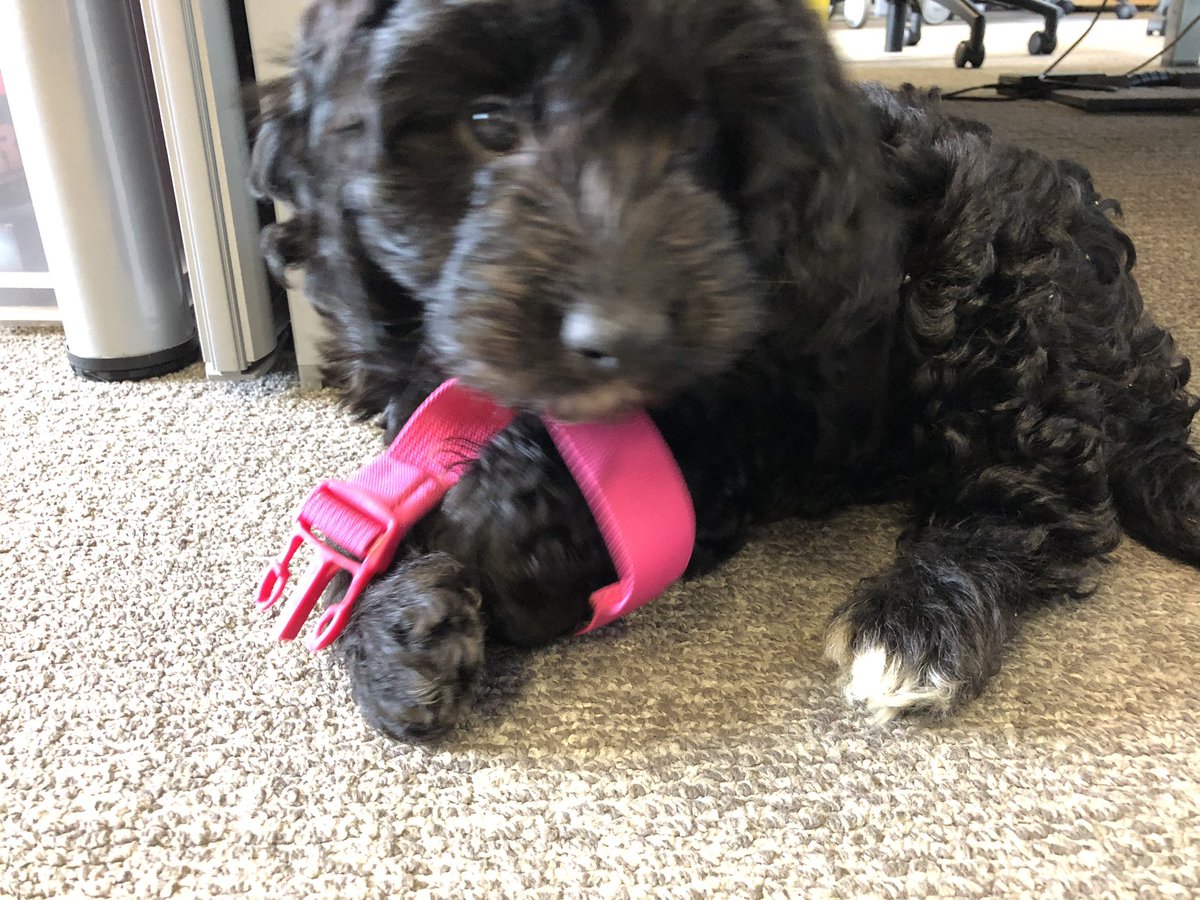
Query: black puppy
[{"x": 824, "y": 293}]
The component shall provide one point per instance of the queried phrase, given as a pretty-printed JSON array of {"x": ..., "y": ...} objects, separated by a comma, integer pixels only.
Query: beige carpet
[{"x": 154, "y": 741}]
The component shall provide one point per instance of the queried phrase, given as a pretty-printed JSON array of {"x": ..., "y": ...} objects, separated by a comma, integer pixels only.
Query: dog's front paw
[
  {"x": 413, "y": 648},
  {"x": 917, "y": 639},
  {"x": 886, "y": 683}
]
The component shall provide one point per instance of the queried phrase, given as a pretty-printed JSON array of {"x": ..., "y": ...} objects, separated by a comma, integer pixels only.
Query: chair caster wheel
[
  {"x": 966, "y": 55},
  {"x": 856, "y": 13},
  {"x": 1040, "y": 44},
  {"x": 1066, "y": 6},
  {"x": 912, "y": 29},
  {"x": 1126, "y": 10},
  {"x": 933, "y": 13}
]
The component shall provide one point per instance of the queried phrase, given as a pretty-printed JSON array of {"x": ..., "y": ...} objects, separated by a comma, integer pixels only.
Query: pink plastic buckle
[
  {"x": 624, "y": 468},
  {"x": 328, "y": 563}
]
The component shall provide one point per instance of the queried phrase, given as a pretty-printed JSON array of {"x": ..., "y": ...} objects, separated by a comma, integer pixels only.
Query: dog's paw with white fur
[
  {"x": 922, "y": 637},
  {"x": 887, "y": 685}
]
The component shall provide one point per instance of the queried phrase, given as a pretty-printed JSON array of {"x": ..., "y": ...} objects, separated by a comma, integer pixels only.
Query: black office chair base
[{"x": 904, "y": 27}]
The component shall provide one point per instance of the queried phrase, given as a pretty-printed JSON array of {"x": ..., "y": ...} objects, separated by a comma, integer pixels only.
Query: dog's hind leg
[
  {"x": 1157, "y": 491},
  {"x": 1142, "y": 378},
  {"x": 1155, "y": 474}
]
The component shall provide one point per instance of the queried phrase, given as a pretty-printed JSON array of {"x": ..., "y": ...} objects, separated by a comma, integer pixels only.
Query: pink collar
[{"x": 624, "y": 468}]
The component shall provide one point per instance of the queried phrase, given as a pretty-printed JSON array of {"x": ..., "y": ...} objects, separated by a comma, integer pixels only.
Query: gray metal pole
[
  {"x": 1187, "y": 51},
  {"x": 81, "y": 108}
]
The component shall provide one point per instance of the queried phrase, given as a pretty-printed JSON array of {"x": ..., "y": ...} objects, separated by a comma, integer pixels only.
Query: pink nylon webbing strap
[
  {"x": 640, "y": 501},
  {"x": 624, "y": 468}
]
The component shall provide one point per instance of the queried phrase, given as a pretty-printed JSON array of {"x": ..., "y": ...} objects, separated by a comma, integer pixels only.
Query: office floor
[{"x": 155, "y": 742}]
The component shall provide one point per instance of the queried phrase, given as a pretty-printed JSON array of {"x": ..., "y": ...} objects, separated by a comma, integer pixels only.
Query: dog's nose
[{"x": 611, "y": 340}]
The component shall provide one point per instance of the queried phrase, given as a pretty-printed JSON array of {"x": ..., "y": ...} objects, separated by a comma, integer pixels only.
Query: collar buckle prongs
[{"x": 331, "y": 559}]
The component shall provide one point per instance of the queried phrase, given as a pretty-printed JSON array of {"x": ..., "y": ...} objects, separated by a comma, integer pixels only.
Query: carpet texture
[{"x": 154, "y": 741}]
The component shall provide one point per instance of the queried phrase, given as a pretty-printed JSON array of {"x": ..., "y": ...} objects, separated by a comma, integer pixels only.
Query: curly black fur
[{"x": 823, "y": 292}]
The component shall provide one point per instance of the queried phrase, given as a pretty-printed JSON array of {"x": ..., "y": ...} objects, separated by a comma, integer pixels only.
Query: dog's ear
[
  {"x": 811, "y": 183},
  {"x": 279, "y": 171},
  {"x": 284, "y": 156}
]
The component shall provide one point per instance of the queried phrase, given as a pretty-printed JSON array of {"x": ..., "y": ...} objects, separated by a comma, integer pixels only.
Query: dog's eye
[{"x": 495, "y": 125}]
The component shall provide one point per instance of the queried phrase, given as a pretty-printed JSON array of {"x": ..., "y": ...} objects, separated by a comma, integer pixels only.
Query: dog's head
[{"x": 581, "y": 205}]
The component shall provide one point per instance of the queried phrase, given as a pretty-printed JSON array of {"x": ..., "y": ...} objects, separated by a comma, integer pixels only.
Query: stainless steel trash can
[{"x": 80, "y": 99}]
